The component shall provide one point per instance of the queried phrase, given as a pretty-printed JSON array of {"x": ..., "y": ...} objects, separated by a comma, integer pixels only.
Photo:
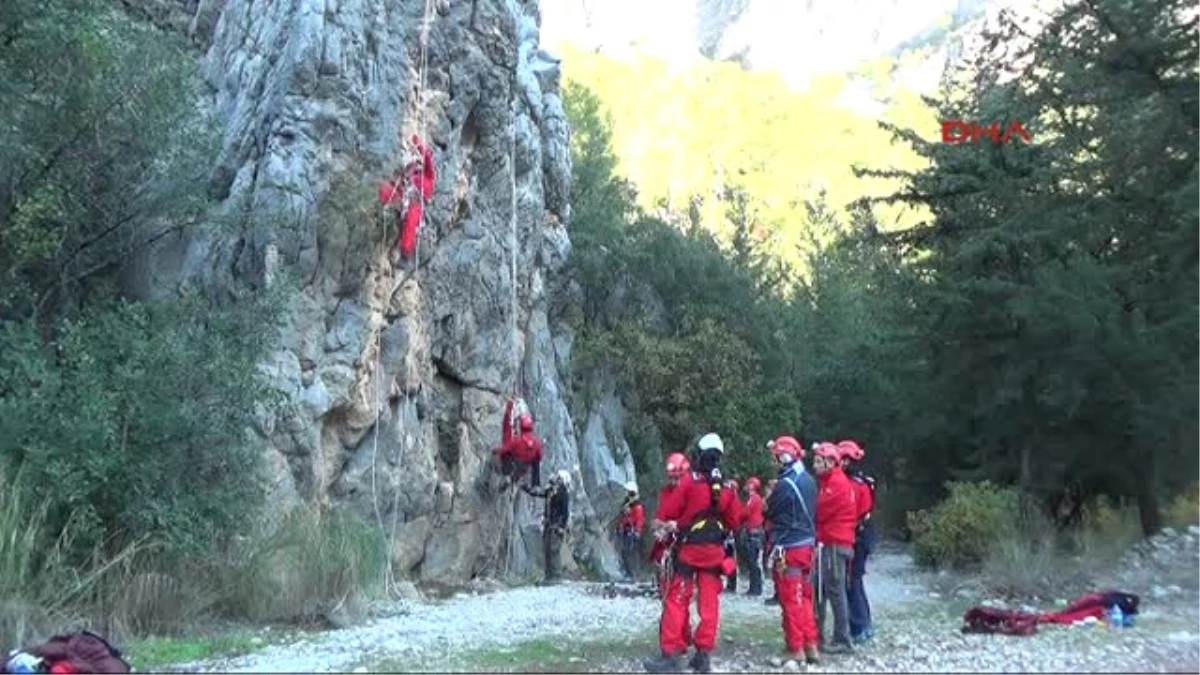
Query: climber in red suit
[
  {"x": 418, "y": 176},
  {"x": 702, "y": 515},
  {"x": 522, "y": 452}
]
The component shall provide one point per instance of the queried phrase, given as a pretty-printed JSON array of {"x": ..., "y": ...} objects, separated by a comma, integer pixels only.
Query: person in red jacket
[
  {"x": 702, "y": 516},
  {"x": 752, "y": 534},
  {"x": 662, "y": 554},
  {"x": 864, "y": 541},
  {"x": 408, "y": 192},
  {"x": 521, "y": 453},
  {"x": 836, "y": 519},
  {"x": 630, "y": 523}
]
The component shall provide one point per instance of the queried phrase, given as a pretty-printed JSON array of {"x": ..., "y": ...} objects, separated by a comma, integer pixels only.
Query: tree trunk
[{"x": 1147, "y": 497}]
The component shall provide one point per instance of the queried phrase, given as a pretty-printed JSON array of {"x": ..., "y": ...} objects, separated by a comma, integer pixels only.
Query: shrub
[
  {"x": 960, "y": 530},
  {"x": 1184, "y": 509},
  {"x": 134, "y": 426}
]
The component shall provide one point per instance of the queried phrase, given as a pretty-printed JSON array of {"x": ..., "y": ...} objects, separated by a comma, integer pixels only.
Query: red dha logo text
[{"x": 958, "y": 131}]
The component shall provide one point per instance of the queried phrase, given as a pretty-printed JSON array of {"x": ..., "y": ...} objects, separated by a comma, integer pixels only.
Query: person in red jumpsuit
[
  {"x": 408, "y": 192},
  {"x": 702, "y": 516},
  {"x": 836, "y": 518},
  {"x": 864, "y": 541},
  {"x": 521, "y": 453},
  {"x": 630, "y": 523},
  {"x": 662, "y": 554},
  {"x": 791, "y": 510},
  {"x": 752, "y": 534}
]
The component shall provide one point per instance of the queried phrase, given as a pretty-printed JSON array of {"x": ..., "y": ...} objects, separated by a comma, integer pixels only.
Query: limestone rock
[{"x": 395, "y": 373}]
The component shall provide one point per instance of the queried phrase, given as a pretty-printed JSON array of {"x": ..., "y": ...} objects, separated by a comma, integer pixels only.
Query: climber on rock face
[
  {"x": 555, "y": 520},
  {"x": 408, "y": 192},
  {"x": 521, "y": 453}
]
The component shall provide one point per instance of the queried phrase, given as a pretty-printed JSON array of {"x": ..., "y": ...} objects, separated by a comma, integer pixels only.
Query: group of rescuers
[{"x": 814, "y": 534}]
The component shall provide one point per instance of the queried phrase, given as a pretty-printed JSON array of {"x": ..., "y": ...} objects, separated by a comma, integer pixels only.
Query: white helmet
[
  {"x": 631, "y": 486},
  {"x": 564, "y": 477},
  {"x": 711, "y": 442}
]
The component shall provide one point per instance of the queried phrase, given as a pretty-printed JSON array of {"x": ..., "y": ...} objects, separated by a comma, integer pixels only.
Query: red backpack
[{"x": 80, "y": 652}]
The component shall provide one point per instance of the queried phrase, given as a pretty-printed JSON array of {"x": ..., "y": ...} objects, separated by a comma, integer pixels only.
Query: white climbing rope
[{"x": 382, "y": 398}]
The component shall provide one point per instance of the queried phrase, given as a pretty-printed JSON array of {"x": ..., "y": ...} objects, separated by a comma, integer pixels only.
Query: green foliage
[
  {"x": 135, "y": 424},
  {"x": 960, "y": 531},
  {"x": 688, "y": 330},
  {"x": 101, "y": 138}
]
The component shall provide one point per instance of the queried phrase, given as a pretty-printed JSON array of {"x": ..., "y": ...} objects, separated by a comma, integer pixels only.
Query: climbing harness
[{"x": 382, "y": 398}]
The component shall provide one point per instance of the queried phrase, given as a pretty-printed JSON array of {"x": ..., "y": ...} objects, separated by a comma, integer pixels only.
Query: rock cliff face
[{"x": 396, "y": 375}]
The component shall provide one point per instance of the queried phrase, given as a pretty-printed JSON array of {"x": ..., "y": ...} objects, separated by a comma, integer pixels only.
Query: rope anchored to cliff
[{"x": 407, "y": 192}]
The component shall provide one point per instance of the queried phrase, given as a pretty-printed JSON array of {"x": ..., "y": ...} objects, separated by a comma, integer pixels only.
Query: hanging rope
[{"x": 382, "y": 395}]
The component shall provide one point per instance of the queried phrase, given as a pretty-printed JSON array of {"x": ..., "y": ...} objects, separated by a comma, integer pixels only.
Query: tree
[{"x": 1061, "y": 278}]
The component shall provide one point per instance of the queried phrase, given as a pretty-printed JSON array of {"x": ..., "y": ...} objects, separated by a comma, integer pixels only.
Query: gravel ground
[{"x": 916, "y": 631}]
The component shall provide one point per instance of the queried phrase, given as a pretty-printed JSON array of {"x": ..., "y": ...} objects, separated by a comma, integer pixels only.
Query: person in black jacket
[{"x": 555, "y": 520}]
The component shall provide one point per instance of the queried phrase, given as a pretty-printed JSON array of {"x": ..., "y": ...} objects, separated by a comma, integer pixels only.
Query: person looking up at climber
[
  {"x": 791, "y": 511},
  {"x": 520, "y": 454},
  {"x": 752, "y": 534},
  {"x": 555, "y": 520},
  {"x": 837, "y": 514},
  {"x": 864, "y": 540},
  {"x": 630, "y": 523},
  {"x": 703, "y": 515}
]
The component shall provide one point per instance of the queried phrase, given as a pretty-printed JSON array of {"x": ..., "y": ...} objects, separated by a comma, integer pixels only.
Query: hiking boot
[
  {"x": 771, "y": 601},
  {"x": 811, "y": 655},
  {"x": 700, "y": 662},
  {"x": 839, "y": 648},
  {"x": 752, "y": 593},
  {"x": 664, "y": 663},
  {"x": 862, "y": 638}
]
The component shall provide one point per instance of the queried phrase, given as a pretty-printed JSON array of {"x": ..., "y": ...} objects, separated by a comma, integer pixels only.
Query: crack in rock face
[{"x": 396, "y": 372}]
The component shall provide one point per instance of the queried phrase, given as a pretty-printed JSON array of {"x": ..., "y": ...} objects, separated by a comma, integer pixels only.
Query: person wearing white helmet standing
[
  {"x": 703, "y": 515},
  {"x": 630, "y": 523},
  {"x": 555, "y": 519}
]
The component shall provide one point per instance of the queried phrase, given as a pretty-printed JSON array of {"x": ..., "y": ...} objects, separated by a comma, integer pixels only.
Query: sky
[{"x": 796, "y": 37}]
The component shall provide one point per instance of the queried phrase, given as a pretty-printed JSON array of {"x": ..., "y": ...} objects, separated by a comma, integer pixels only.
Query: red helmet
[
  {"x": 753, "y": 484},
  {"x": 852, "y": 450},
  {"x": 525, "y": 421},
  {"x": 787, "y": 445},
  {"x": 677, "y": 464},
  {"x": 828, "y": 451}
]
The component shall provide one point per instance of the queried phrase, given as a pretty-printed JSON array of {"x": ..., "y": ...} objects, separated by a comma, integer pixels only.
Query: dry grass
[
  {"x": 1042, "y": 563},
  {"x": 311, "y": 565}
]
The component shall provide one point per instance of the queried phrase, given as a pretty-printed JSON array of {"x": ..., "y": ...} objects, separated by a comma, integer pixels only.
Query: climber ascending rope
[
  {"x": 520, "y": 453},
  {"x": 407, "y": 192}
]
